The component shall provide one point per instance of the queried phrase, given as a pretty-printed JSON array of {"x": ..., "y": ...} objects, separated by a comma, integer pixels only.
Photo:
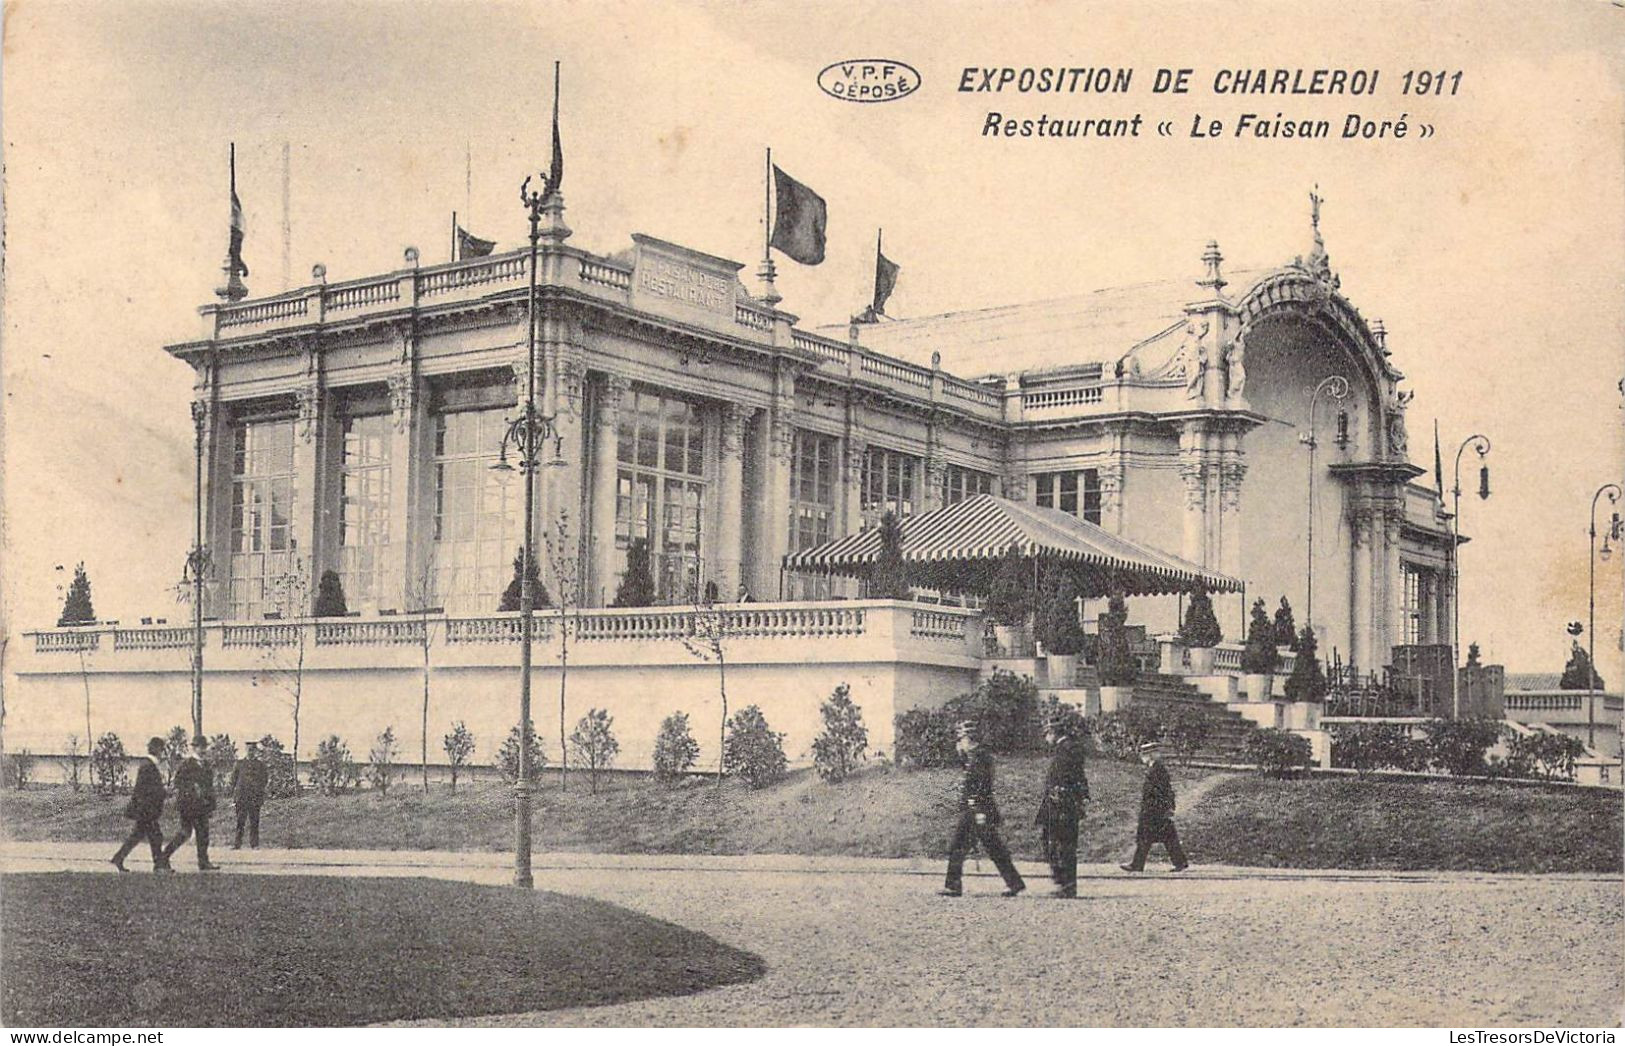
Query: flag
[
  {"x": 469, "y": 246},
  {"x": 798, "y": 227},
  {"x": 1438, "y": 462},
  {"x": 885, "y": 280},
  {"x": 555, "y": 170},
  {"x": 235, "y": 251}
]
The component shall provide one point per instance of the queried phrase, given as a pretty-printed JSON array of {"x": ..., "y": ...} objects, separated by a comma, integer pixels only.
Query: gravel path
[{"x": 854, "y": 942}]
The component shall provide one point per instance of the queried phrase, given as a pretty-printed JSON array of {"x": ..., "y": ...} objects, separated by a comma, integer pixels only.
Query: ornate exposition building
[{"x": 354, "y": 427}]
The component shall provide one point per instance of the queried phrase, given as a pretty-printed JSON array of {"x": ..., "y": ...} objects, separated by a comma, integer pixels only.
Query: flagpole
[
  {"x": 453, "y": 235},
  {"x": 767, "y": 207}
]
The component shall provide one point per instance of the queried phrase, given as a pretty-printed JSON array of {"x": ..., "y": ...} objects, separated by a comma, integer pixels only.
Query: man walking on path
[
  {"x": 194, "y": 801},
  {"x": 978, "y": 819},
  {"x": 1065, "y": 790},
  {"x": 1156, "y": 814},
  {"x": 248, "y": 779},
  {"x": 145, "y": 808}
]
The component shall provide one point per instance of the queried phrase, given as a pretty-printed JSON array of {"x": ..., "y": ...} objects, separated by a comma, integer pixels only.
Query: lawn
[
  {"x": 92, "y": 950},
  {"x": 881, "y": 812},
  {"x": 1342, "y": 822}
]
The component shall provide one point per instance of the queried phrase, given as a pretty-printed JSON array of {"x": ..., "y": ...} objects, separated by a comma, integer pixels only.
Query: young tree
[
  {"x": 222, "y": 756},
  {"x": 381, "y": 761},
  {"x": 708, "y": 632},
  {"x": 752, "y": 750},
  {"x": 330, "y": 596},
  {"x": 459, "y": 745},
  {"x": 177, "y": 745},
  {"x": 22, "y": 767},
  {"x": 1580, "y": 673},
  {"x": 508, "y": 756},
  {"x": 593, "y": 742},
  {"x": 77, "y": 609},
  {"x": 564, "y": 562},
  {"x": 1307, "y": 681},
  {"x": 637, "y": 588},
  {"x": 281, "y": 773},
  {"x": 890, "y": 577},
  {"x": 1286, "y": 632},
  {"x": 1201, "y": 627},
  {"x": 75, "y": 753},
  {"x": 675, "y": 748},
  {"x": 511, "y": 594},
  {"x": 333, "y": 770},
  {"x": 844, "y": 741},
  {"x": 1057, "y": 619},
  {"x": 109, "y": 770},
  {"x": 420, "y": 594},
  {"x": 1118, "y": 666},
  {"x": 284, "y": 668},
  {"x": 1261, "y": 655}
]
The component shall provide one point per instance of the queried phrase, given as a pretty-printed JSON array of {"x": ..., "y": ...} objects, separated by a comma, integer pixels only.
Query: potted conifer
[
  {"x": 1118, "y": 668},
  {"x": 1200, "y": 633},
  {"x": 1260, "y": 658},
  {"x": 1058, "y": 627},
  {"x": 1306, "y": 686},
  {"x": 1010, "y": 602}
]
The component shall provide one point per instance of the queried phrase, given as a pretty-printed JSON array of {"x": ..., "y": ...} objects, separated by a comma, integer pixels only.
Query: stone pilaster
[
  {"x": 410, "y": 565},
  {"x": 1391, "y": 630},
  {"x": 563, "y": 521},
  {"x": 776, "y": 434},
  {"x": 936, "y": 467},
  {"x": 314, "y": 514},
  {"x": 217, "y": 455},
  {"x": 1362, "y": 578},
  {"x": 727, "y": 552},
  {"x": 611, "y": 389},
  {"x": 853, "y": 449}
]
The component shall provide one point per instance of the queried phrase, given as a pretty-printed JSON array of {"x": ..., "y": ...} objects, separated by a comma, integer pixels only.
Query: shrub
[
  {"x": 1364, "y": 747},
  {"x": 330, "y": 596},
  {"x": 1188, "y": 729},
  {"x": 1458, "y": 746},
  {"x": 77, "y": 608},
  {"x": 1260, "y": 657},
  {"x": 1286, "y": 632},
  {"x": 1120, "y": 733},
  {"x": 381, "y": 761},
  {"x": 281, "y": 774},
  {"x": 752, "y": 750},
  {"x": 1005, "y": 710},
  {"x": 890, "y": 577},
  {"x": 1058, "y": 626},
  {"x": 675, "y": 748},
  {"x": 637, "y": 588},
  {"x": 508, "y": 757},
  {"x": 459, "y": 746},
  {"x": 20, "y": 767},
  {"x": 1580, "y": 673},
  {"x": 1201, "y": 627},
  {"x": 75, "y": 752},
  {"x": 221, "y": 757},
  {"x": 177, "y": 745},
  {"x": 109, "y": 773},
  {"x": 593, "y": 742},
  {"x": 511, "y": 596},
  {"x": 925, "y": 737},
  {"x": 844, "y": 741},
  {"x": 1473, "y": 656},
  {"x": 1010, "y": 596},
  {"x": 1118, "y": 666},
  {"x": 1055, "y": 709},
  {"x": 1307, "y": 682},
  {"x": 1278, "y": 753},
  {"x": 1547, "y": 755},
  {"x": 333, "y": 770}
]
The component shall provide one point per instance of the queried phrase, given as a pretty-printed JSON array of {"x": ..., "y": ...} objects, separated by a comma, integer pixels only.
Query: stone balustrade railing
[
  {"x": 67, "y": 641},
  {"x": 1516, "y": 702},
  {"x": 1050, "y": 399},
  {"x": 383, "y": 631},
  {"x": 1226, "y": 657},
  {"x": 266, "y": 634},
  {"x": 605, "y": 275},
  {"x": 936, "y": 624},
  {"x": 896, "y": 370},
  {"x": 173, "y": 637},
  {"x": 356, "y": 296}
]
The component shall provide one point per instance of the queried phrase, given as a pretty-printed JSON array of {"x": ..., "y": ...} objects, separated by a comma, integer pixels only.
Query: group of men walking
[
  {"x": 193, "y": 788},
  {"x": 1066, "y": 789}
]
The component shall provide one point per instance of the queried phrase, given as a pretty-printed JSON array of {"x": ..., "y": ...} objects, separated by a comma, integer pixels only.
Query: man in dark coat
[
  {"x": 978, "y": 819},
  {"x": 145, "y": 808},
  {"x": 194, "y": 801},
  {"x": 1156, "y": 814},
  {"x": 1065, "y": 790},
  {"x": 248, "y": 781}
]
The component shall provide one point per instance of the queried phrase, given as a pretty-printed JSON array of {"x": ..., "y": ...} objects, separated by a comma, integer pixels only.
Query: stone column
[
  {"x": 775, "y": 434},
  {"x": 409, "y": 572},
  {"x": 1195, "y": 473},
  {"x": 1390, "y": 629},
  {"x": 311, "y": 505},
  {"x": 935, "y": 467},
  {"x": 1231, "y": 472},
  {"x": 853, "y": 449},
  {"x": 601, "y": 539},
  {"x": 726, "y": 555},
  {"x": 1361, "y": 615},
  {"x": 563, "y": 524}
]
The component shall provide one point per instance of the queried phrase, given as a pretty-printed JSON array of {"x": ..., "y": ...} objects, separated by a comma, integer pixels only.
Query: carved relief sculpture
[
  {"x": 1195, "y": 353},
  {"x": 1235, "y": 368}
]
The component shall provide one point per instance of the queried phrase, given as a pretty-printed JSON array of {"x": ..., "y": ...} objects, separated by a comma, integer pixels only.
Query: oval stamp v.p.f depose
[{"x": 868, "y": 80}]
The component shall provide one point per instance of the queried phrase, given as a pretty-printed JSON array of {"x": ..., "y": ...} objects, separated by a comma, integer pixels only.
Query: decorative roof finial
[
  {"x": 1380, "y": 334},
  {"x": 1318, "y": 262},
  {"x": 1211, "y": 258}
]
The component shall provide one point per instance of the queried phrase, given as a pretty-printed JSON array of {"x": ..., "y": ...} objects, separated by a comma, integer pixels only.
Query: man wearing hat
[
  {"x": 978, "y": 818},
  {"x": 248, "y": 779},
  {"x": 1156, "y": 813},
  {"x": 1065, "y": 790},
  {"x": 194, "y": 801},
  {"x": 146, "y": 806}
]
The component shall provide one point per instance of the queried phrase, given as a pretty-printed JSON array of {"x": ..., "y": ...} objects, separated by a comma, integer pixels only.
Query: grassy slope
[
  {"x": 1239, "y": 819},
  {"x": 1348, "y": 823},
  {"x": 245, "y": 950}
]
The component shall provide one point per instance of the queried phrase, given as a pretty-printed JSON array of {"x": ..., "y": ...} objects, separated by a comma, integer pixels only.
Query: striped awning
[{"x": 957, "y": 546}]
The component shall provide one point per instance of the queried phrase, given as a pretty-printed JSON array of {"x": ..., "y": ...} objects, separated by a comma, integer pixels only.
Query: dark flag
[
  {"x": 885, "y": 279},
  {"x": 798, "y": 227},
  {"x": 1438, "y": 462},
  {"x": 235, "y": 251},
  {"x": 469, "y": 246},
  {"x": 555, "y": 170}
]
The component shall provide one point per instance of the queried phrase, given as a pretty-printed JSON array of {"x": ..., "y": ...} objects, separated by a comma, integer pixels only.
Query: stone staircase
[{"x": 1229, "y": 730}]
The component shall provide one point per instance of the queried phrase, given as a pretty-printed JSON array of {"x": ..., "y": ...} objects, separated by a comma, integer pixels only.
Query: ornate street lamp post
[
  {"x": 197, "y": 564},
  {"x": 1612, "y": 534},
  {"x": 1336, "y": 387},
  {"x": 1481, "y": 447},
  {"x": 527, "y": 433}
]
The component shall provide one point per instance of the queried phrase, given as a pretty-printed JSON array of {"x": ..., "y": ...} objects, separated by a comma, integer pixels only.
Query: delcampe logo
[{"x": 869, "y": 80}]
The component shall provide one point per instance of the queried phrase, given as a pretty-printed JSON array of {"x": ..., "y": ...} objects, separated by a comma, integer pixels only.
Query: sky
[{"x": 1492, "y": 250}]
